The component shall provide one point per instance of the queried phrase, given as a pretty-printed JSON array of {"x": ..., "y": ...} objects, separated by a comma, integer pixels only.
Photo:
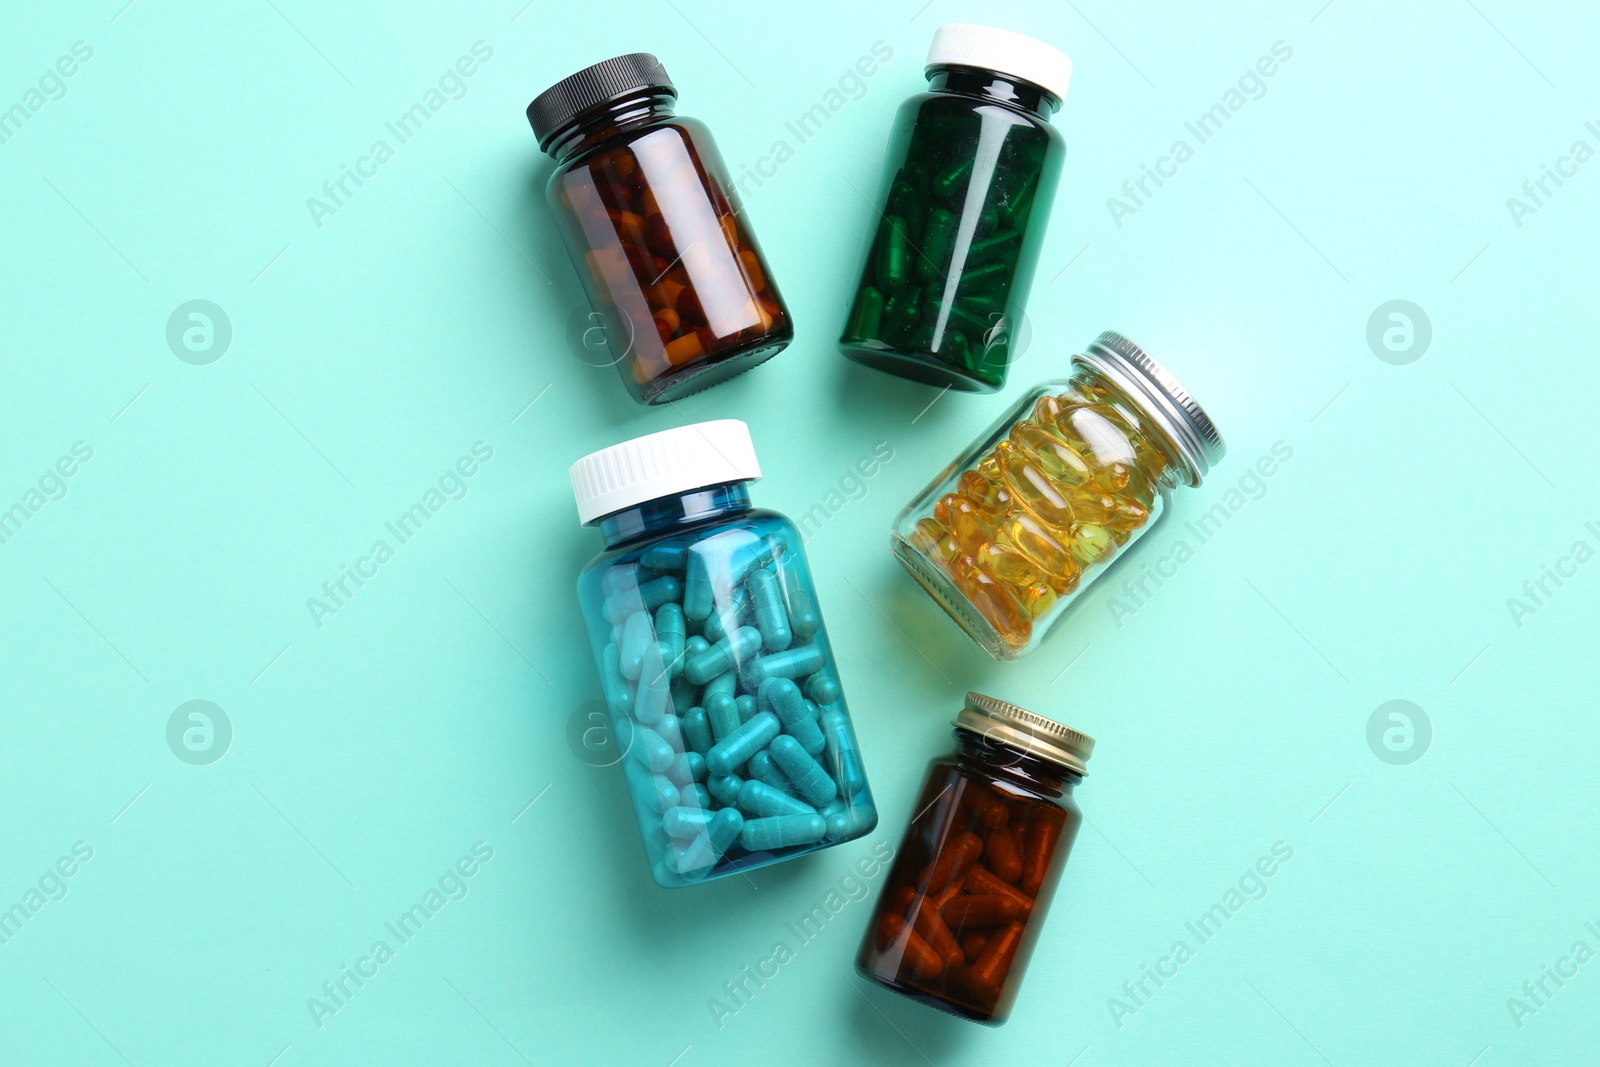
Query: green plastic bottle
[{"x": 973, "y": 168}]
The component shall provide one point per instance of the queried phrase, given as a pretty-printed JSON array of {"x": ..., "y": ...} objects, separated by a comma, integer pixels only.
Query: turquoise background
[{"x": 433, "y": 310}]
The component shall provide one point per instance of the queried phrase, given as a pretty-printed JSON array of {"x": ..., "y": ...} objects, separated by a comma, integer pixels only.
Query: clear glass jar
[
  {"x": 650, "y": 218},
  {"x": 967, "y": 895},
  {"x": 714, "y": 661},
  {"x": 1069, "y": 479},
  {"x": 971, "y": 173}
]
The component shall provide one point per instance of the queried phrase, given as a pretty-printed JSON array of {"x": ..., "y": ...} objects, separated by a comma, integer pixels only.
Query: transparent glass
[
  {"x": 650, "y": 219},
  {"x": 962, "y": 907},
  {"x": 973, "y": 166},
  {"x": 1013, "y": 531},
  {"x": 715, "y": 667}
]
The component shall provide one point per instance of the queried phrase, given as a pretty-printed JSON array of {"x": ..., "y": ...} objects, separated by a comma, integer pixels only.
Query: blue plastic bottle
[{"x": 714, "y": 661}]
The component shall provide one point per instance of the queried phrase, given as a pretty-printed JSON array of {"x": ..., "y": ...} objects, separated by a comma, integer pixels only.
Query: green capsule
[
  {"x": 670, "y": 727},
  {"x": 725, "y": 787},
  {"x": 866, "y": 316},
  {"x": 844, "y": 756},
  {"x": 652, "y": 698},
  {"x": 982, "y": 279},
  {"x": 694, "y": 795},
  {"x": 723, "y": 656},
  {"x": 747, "y": 706},
  {"x": 786, "y": 701},
  {"x": 722, "y": 616},
  {"x": 655, "y": 792},
  {"x": 652, "y": 750},
  {"x": 694, "y": 858},
  {"x": 683, "y": 693},
  {"x": 724, "y": 684},
  {"x": 687, "y": 768},
  {"x": 724, "y": 829},
  {"x": 935, "y": 244},
  {"x": 949, "y": 181},
  {"x": 998, "y": 243},
  {"x": 894, "y": 253},
  {"x": 685, "y": 822},
  {"x": 672, "y": 629},
  {"x": 762, "y": 769}
]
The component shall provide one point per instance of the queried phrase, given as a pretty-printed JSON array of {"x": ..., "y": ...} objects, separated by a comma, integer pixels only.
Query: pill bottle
[
  {"x": 972, "y": 170},
  {"x": 715, "y": 667},
  {"x": 967, "y": 894},
  {"x": 1016, "y": 528},
  {"x": 650, "y": 219}
]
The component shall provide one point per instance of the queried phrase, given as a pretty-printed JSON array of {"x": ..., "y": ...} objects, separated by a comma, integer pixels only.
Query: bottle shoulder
[{"x": 941, "y": 105}]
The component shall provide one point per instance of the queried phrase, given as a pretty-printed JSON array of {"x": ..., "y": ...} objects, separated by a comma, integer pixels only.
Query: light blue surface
[{"x": 373, "y": 753}]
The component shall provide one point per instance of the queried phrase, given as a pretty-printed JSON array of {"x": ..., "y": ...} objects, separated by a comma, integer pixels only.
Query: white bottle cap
[
  {"x": 662, "y": 464},
  {"x": 964, "y": 45}
]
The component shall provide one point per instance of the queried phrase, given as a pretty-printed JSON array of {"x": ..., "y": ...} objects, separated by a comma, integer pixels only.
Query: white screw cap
[
  {"x": 966, "y": 45},
  {"x": 662, "y": 464}
]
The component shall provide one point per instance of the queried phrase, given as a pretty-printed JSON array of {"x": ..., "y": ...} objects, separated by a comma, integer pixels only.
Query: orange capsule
[
  {"x": 958, "y": 854},
  {"x": 1105, "y": 439},
  {"x": 1038, "y": 846},
  {"x": 1091, "y": 505},
  {"x": 990, "y": 494},
  {"x": 930, "y": 538},
  {"x": 1039, "y": 599},
  {"x": 989, "y": 970},
  {"x": 685, "y": 349},
  {"x": 1000, "y": 855},
  {"x": 988, "y": 909},
  {"x": 1033, "y": 489},
  {"x": 730, "y": 230},
  {"x": 916, "y": 953},
  {"x": 1008, "y": 565},
  {"x": 1129, "y": 515},
  {"x": 993, "y": 600},
  {"x": 667, "y": 318},
  {"x": 945, "y": 895},
  {"x": 979, "y": 882},
  {"x": 1039, "y": 544},
  {"x": 1060, "y": 462},
  {"x": 989, "y": 466},
  {"x": 752, "y": 271}
]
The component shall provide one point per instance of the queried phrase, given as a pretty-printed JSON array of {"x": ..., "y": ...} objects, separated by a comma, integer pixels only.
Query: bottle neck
[
  {"x": 681, "y": 511},
  {"x": 643, "y": 108},
  {"x": 995, "y": 760},
  {"x": 994, "y": 88}
]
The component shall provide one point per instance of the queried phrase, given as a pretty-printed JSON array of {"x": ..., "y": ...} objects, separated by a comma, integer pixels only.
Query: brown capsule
[
  {"x": 959, "y": 853},
  {"x": 979, "y": 882},
  {"x": 927, "y": 922},
  {"x": 989, "y": 809},
  {"x": 658, "y": 236},
  {"x": 989, "y": 970},
  {"x": 989, "y": 909},
  {"x": 1000, "y": 854},
  {"x": 945, "y": 895},
  {"x": 914, "y": 951},
  {"x": 972, "y": 943},
  {"x": 1040, "y": 844}
]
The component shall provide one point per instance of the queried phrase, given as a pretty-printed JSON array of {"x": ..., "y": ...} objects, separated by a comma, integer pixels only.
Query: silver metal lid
[
  {"x": 1168, "y": 403},
  {"x": 1022, "y": 729}
]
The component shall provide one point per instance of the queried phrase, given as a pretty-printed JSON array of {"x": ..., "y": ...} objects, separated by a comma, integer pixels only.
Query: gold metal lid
[{"x": 1020, "y": 728}]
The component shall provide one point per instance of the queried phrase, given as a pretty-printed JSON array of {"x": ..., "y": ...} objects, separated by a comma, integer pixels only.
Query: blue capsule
[
  {"x": 723, "y": 711},
  {"x": 823, "y": 688},
  {"x": 653, "y": 697},
  {"x": 848, "y": 820},
  {"x": 844, "y": 757},
  {"x": 724, "y": 656},
  {"x": 803, "y": 616},
  {"x": 725, "y": 787},
  {"x": 697, "y": 730},
  {"x": 666, "y": 557},
  {"x": 694, "y": 858},
  {"x": 746, "y": 741},
  {"x": 747, "y": 706},
  {"x": 613, "y": 686},
  {"x": 671, "y": 730},
  {"x": 687, "y": 768},
  {"x": 794, "y": 662},
  {"x": 655, "y": 791},
  {"x": 772, "y": 614},
  {"x": 806, "y": 773},
  {"x": 782, "y": 831},
  {"x": 652, "y": 750},
  {"x": 685, "y": 822},
  {"x": 697, "y": 592},
  {"x": 671, "y": 628},
  {"x": 694, "y": 795},
  {"x": 783, "y": 697},
  {"x": 730, "y": 614},
  {"x": 762, "y": 769},
  {"x": 759, "y": 798},
  {"x": 724, "y": 829},
  {"x": 637, "y": 636}
]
